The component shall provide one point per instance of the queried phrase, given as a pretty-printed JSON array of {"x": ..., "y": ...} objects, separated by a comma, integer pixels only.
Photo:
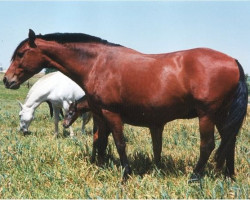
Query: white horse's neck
[
  {"x": 32, "y": 102},
  {"x": 37, "y": 94},
  {"x": 28, "y": 109}
]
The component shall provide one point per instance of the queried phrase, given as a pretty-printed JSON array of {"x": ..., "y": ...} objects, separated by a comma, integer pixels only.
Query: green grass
[{"x": 39, "y": 166}]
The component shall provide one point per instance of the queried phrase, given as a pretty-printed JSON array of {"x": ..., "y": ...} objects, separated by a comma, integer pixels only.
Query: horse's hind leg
[
  {"x": 156, "y": 135},
  {"x": 56, "y": 119},
  {"x": 229, "y": 154},
  {"x": 206, "y": 144},
  {"x": 116, "y": 125}
]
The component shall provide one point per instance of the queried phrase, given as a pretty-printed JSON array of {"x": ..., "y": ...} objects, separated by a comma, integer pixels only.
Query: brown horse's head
[{"x": 27, "y": 60}]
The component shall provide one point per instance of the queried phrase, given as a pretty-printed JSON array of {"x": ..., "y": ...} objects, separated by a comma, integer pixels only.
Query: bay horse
[
  {"x": 126, "y": 86},
  {"x": 58, "y": 91}
]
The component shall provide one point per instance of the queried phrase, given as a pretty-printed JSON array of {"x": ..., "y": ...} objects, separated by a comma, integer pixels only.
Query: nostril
[
  {"x": 12, "y": 82},
  {"x": 4, "y": 80}
]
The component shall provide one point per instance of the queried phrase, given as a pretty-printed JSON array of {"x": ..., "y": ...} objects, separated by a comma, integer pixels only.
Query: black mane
[
  {"x": 73, "y": 37},
  {"x": 63, "y": 38}
]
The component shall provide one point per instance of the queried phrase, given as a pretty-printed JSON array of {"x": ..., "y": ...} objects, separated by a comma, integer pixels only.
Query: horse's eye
[{"x": 20, "y": 55}]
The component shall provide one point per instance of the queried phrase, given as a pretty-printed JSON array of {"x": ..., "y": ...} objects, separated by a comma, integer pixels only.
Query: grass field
[{"x": 39, "y": 166}]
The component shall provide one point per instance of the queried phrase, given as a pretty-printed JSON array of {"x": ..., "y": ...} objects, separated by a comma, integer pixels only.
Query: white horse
[{"x": 55, "y": 88}]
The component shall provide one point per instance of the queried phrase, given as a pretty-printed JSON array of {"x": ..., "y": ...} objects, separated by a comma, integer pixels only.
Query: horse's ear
[
  {"x": 20, "y": 104},
  {"x": 32, "y": 37}
]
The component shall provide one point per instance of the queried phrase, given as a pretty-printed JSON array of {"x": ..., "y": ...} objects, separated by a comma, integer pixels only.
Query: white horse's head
[{"x": 26, "y": 116}]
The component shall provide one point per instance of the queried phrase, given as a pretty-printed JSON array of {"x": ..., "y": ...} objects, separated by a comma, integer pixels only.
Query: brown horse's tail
[{"x": 234, "y": 119}]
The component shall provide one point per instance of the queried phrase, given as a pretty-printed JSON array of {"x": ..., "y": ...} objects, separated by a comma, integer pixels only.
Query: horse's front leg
[
  {"x": 100, "y": 139},
  {"x": 116, "y": 125},
  {"x": 71, "y": 132},
  {"x": 156, "y": 135},
  {"x": 85, "y": 119},
  {"x": 95, "y": 137}
]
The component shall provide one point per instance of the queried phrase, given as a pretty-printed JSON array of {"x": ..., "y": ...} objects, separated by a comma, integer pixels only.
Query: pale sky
[{"x": 146, "y": 26}]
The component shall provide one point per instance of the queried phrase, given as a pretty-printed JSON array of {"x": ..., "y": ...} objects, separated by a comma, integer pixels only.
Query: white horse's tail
[{"x": 51, "y": 109}]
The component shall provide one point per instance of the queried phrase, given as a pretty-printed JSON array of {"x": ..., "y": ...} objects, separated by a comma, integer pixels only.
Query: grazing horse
[
  {"x": 126, "y": 86},
  {"x": 56, "y": 89},
  {"x": 76, "y": 109}
]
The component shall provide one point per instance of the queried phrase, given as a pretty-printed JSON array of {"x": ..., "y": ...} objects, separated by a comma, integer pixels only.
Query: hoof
[
  {"x": 26, "y": 133},
  {"x": 125, "y": 178},
  {"x": 126, "y": 174},
  {"x": 100, "y": 161},
  {"x": 230, "y": 176},
  {"x": 158, "y": 164},
  {"x": 194, "y": 178},
  {"x": 92, "y": 159}
]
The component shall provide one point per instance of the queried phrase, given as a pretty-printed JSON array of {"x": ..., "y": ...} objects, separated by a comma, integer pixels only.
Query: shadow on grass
[
  {"x": 142, "y": 164},
  {"x": 169, "y": 166}
]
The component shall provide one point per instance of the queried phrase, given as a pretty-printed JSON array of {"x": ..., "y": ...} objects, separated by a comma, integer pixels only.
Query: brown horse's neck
[{"x": 75, "y": 62}]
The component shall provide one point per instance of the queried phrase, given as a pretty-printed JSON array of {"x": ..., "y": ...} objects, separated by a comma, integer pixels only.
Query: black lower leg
[
  {"x": 156, "y": 135},
  {"x": 230, "y": 159}
]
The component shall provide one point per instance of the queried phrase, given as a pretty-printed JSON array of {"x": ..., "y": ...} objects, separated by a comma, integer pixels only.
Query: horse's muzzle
[
  {"x": 66, "y": 124},
  {"x": 10, "y": 84},
  {"x": 24, "y": 130}
]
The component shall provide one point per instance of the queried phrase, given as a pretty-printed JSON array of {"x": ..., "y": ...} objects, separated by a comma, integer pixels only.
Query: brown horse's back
[
  {"x": 148, "y": 89},
  {"x": 211, "y": 74}
]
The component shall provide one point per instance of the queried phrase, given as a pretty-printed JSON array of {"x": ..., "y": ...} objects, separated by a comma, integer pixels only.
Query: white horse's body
[{"x": 56, "y": 88}]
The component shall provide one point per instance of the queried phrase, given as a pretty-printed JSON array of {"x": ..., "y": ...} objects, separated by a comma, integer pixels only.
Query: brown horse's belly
[{"x": 155, "y": 116}]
